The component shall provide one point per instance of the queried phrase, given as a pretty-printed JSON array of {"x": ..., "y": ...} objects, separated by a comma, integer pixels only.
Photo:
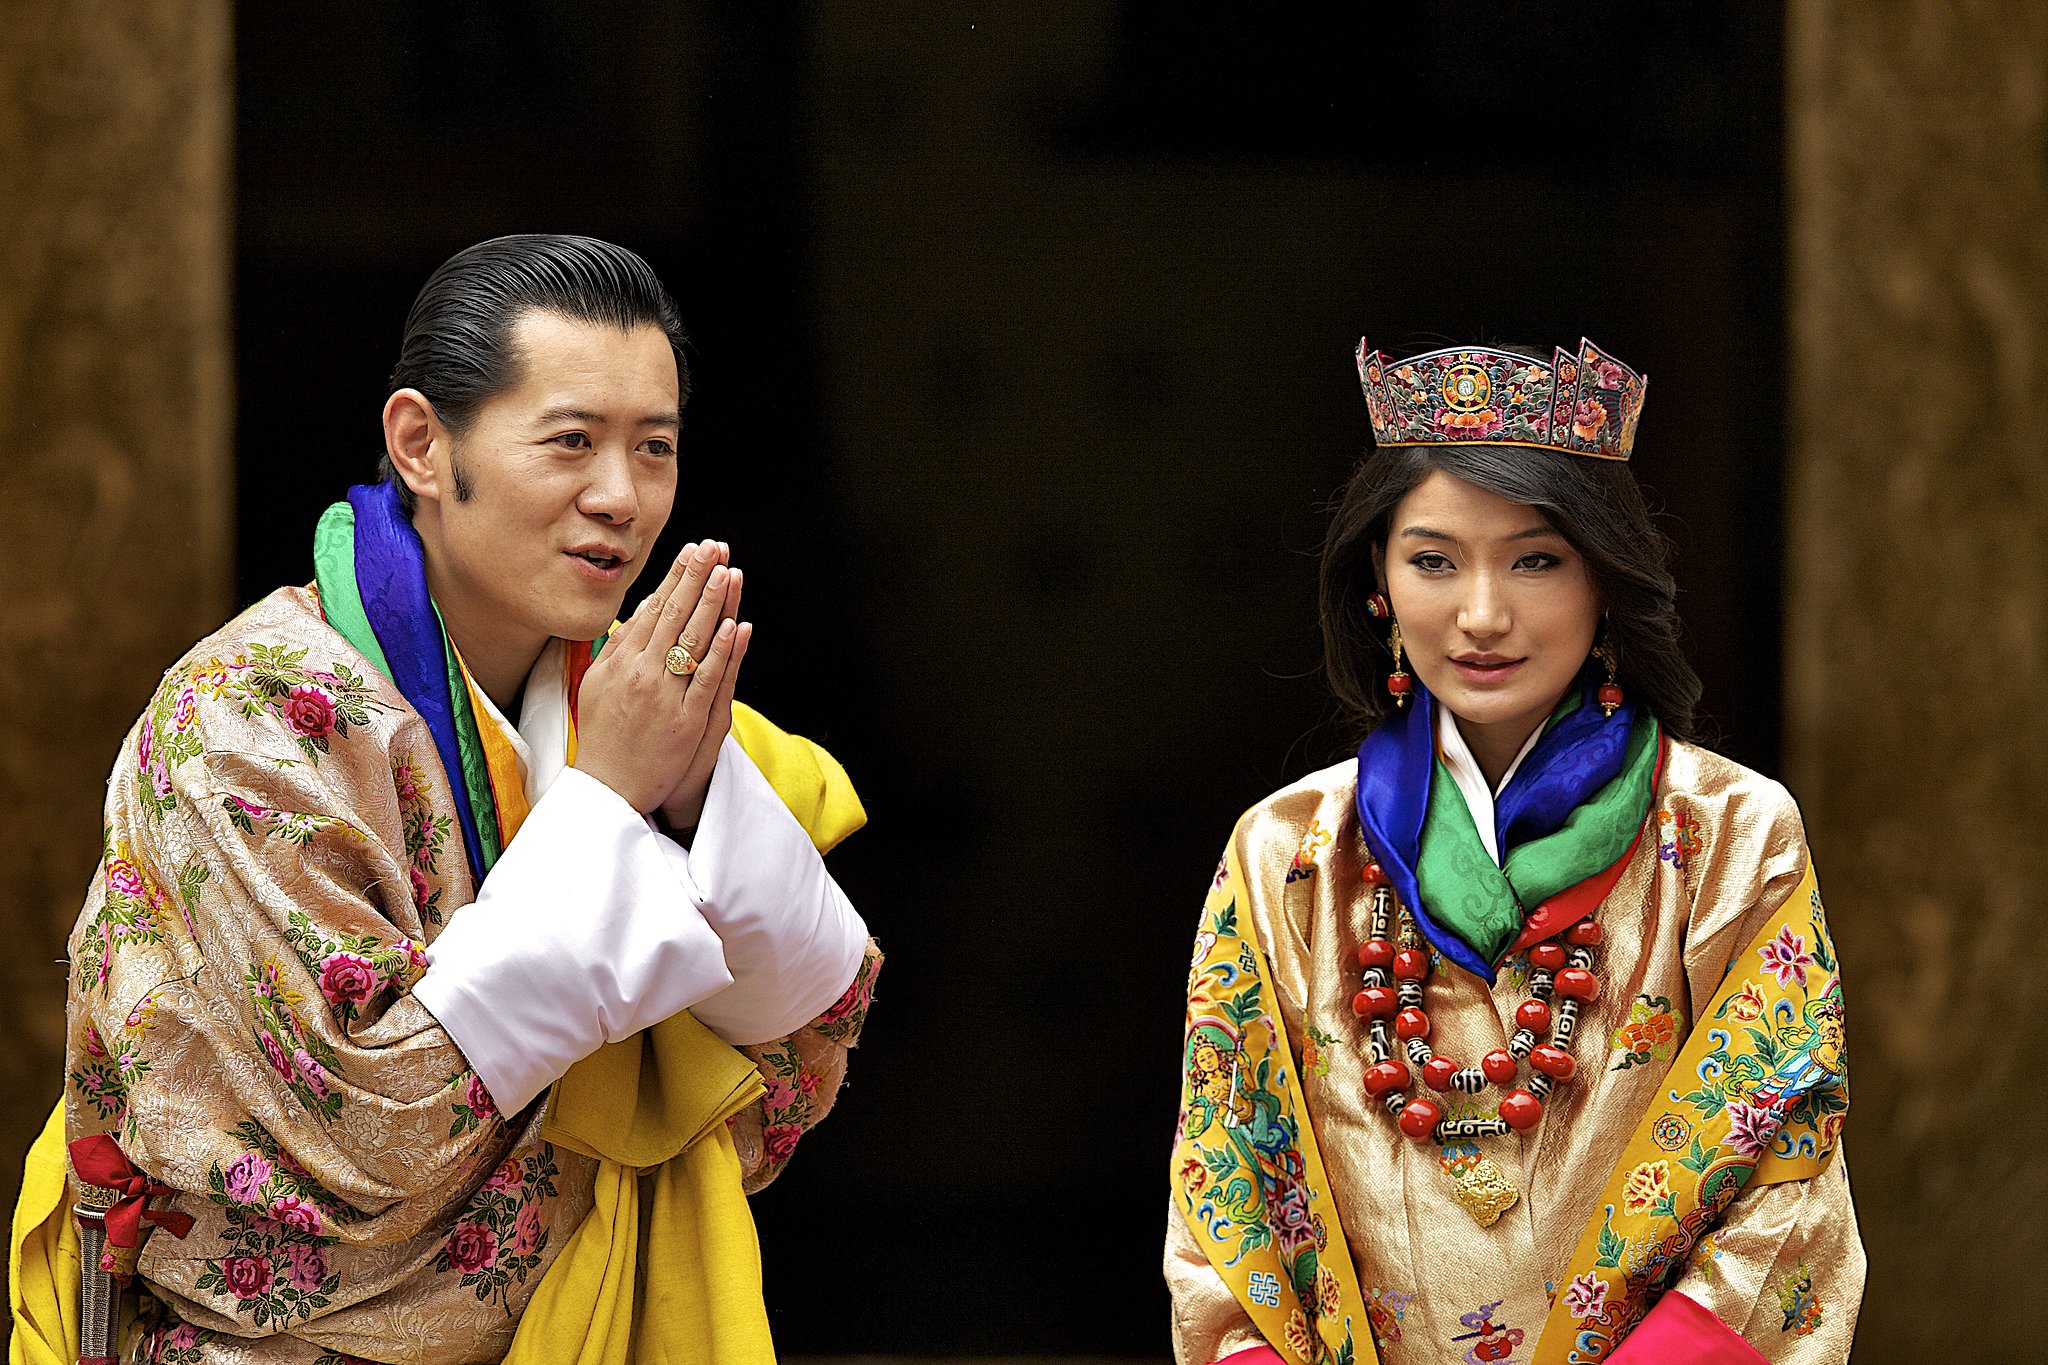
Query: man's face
[{"x": 550, "y": 502}]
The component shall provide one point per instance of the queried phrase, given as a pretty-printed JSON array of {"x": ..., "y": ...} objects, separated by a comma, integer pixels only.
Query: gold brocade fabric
[
  {"x": 1784, "y": 1268},
  {"x": 280, "y": 847}
]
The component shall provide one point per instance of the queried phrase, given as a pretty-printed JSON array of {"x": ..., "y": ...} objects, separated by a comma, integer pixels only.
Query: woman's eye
[
  {"x": 1429, "y": 561},
  {"x": 1538, "y": 562}
]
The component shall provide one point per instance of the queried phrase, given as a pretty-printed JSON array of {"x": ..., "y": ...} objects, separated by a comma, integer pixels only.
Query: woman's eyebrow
[{"x": 1425, "y": 533}]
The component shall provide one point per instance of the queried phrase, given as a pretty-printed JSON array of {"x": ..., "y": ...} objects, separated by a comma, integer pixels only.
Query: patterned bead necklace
[{"x": 1396, "y": 964}]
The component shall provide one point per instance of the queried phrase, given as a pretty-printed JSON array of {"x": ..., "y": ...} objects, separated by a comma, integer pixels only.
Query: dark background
[{"x": 1022, "y": 364}]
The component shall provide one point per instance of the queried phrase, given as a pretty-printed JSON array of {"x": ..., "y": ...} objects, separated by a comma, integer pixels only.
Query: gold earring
[{"x": 1398, "y": 682}]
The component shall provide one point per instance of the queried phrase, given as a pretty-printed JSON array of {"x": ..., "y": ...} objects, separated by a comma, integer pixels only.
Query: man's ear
[{"x": 411, "y": 433}]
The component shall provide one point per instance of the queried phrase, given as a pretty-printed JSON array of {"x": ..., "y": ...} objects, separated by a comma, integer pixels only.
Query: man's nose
[{"x": 611, "y": 493}]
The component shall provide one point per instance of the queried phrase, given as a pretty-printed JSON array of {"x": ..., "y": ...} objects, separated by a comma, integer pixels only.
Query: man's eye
[
  {"x": 658, "y": 447},
  {"x": 575, "y": 440}
]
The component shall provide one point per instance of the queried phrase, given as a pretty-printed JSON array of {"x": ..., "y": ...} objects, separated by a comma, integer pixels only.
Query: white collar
[
  {"x": 541, "y": 739},
  {"x": 1464, "y": 770}
]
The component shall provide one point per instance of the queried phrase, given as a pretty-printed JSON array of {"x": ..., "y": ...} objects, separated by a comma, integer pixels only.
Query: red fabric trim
[
  {"x": 1677, "y": 1329},
  {"x": 1253, "y": 1355},
  {"x": 98, "y": 1160},
  {"x": 1574, "y": 903}
]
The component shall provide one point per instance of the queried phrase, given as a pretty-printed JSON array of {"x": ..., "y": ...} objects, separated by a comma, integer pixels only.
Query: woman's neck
[{"x": 1495, "y": 747}]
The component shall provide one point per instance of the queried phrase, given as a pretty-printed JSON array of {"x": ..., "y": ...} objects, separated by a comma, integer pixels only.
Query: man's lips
[{"x": 605, "y": 563}]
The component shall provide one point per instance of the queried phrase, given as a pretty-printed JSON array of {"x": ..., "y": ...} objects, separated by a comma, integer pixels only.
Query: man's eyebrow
[{"x": 670, "y": 418}]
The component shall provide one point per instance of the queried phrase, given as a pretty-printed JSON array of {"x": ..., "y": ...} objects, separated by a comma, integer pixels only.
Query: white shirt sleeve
[
  {"x": 577, "y": 938},
  {"x": 792, "y": 939}
]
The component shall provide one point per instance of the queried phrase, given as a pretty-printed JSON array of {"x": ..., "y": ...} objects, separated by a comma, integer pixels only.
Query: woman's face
[{"x": 1497, "y": 610}]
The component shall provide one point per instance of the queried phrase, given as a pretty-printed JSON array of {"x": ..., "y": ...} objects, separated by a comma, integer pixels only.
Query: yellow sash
[
  {"x": 1249, "y": 1179},
  {"x": 653, "y": 1106},
  {"x": 1770, "y": 1090}
]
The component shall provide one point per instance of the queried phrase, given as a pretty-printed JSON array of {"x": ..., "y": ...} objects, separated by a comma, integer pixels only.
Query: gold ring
[{"x": 681, "y": 662}]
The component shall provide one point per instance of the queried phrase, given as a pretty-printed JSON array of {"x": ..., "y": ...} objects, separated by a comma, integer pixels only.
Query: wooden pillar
[
  {"x": 1917, "y": 631},
  {"x": 116, "y": 417}
]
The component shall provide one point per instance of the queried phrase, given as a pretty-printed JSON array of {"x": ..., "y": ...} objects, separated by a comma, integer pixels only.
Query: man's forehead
[{"x": 589, "y": 370}]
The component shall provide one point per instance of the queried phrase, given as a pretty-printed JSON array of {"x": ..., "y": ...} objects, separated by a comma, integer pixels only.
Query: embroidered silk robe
[
  {"x": 1785, "y": 1266},
  {"x": 280, "y": 847}
]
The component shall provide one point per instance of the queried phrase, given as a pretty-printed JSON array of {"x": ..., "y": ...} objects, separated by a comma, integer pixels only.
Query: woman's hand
[{"x": 639, "y": 728}]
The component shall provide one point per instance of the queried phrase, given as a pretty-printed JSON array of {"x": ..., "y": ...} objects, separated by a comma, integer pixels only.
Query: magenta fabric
[
  {"x": 1253, "y": 1355},
  {"x": 1678, "y": 1331}
]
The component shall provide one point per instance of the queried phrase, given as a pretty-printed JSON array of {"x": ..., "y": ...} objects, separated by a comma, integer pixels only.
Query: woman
[{"x": 1520, "y": 1037}]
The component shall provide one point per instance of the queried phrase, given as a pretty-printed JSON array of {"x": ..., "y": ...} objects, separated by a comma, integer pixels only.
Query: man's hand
[{"x": 648, "y": 734}]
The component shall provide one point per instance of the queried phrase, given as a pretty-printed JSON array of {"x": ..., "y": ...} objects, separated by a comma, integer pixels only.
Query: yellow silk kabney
[
  {"x": 651, "y": 1109},
  {"x": 1250, "y": 1183}
]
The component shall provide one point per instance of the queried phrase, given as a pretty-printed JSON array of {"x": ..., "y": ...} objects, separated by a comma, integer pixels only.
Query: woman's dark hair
[
  {"x": 1595, "y": 505},
  {"x": 458, "y": 336}
]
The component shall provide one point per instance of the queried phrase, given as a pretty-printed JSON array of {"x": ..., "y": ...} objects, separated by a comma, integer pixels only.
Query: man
[{"x": 387, "y": 1082}]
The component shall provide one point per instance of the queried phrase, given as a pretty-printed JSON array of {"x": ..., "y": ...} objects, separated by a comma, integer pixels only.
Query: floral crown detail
[{"x": 1583, "y": 404}]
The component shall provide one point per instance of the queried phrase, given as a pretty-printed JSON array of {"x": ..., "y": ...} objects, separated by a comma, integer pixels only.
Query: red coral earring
[
  {"x": 1398, "y": 682},
  {"x": 1610, "y": 691}
]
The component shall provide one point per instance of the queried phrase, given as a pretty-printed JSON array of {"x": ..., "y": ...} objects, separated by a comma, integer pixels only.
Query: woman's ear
[{"x": 1379, "y": 566}]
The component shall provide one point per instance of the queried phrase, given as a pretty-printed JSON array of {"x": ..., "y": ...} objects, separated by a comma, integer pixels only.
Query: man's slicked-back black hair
[{"x": 458, "y": 336}]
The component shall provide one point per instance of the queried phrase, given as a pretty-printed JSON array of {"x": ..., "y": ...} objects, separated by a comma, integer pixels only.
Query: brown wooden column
[
  {"x": 1917, "y": 633},
  {"x": 116, "y": 423}
]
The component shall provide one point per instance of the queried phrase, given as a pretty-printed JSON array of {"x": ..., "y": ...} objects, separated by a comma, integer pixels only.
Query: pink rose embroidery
[
  {"x": 122, "y": 877},
  {"x": 420, "y": 889},
  {"x": 186, "y": 710},
  {"x": 273, "y": 1052},
  {"x": 1786, "y": 958},
  {"x": 526, "y": 1231},
  {"x": 314, "y": 1074},
  {"x": 506, "y": 1177},
  {"x": 347, "y": 979},
  {"x": 1588, "y": 418},
  {"x": 93, "y": 1046},
  {"x": 1607, "y": 374},
  {"x": 408, "y": 783},
  {"x": 182, "y": 1336},
  {"x": 1751, "y": 1127},
  {"x": 160, "y": 781},
  {"x": 305, "y": 1267},
  {"x": 471, "y": 1248},
  {"x": 145, "y": 749},
  {"x": 248, "y": 1277},
  {"x": 478, "y": 1097},
  {"x": 781, "y": 1094},
  {"x": 245, "y": 1176},
  {"x": 310, "y": 711},
  {"x": 295, "y": 1212},
  {"x": 780, "y": 1141}
]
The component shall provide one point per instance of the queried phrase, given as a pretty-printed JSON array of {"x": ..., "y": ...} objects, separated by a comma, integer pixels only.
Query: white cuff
[
  {"x": 792, "y": 940},
  {"x": 576, "y": 939}
]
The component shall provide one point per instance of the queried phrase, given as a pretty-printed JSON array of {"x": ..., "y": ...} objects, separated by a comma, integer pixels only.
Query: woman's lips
[{"x": 1487, "y": 673}]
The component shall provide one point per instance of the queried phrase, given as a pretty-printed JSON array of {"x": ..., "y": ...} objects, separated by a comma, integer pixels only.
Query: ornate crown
[{"x": 1584, "y": 404}]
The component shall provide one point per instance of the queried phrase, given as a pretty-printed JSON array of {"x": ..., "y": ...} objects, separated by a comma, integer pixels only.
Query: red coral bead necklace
[{"x": 1396, "y": 964}]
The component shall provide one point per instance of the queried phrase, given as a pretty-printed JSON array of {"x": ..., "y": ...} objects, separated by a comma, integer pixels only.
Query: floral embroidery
[
  {"x": 476, "y": 1107},
  {"x": 1801, "y": 1305},
  {"x": 354, "y": 970},
  {"x": 1491, "y": 1342},
  {"x": 302, "y": 1060},
  {"x": 133, "y": 909},
  {"x": 296, "y": 827},
  {"x": 1678, "y": 838},
  {"x": 1311, "y": 851},
  {"x": 1786, "y": 958},
  {"x": 499, "y": 1240},
  {"x": 844, "y": 1021},
  {"x": 1586, "y": 1297},
  {"x": 316, "y": 706},
  {"x": 1745, "y": 1005},
  {"x": 1385, "y": 1310},
  {"x": 1650, "y": 1033},
  {"x": 1648, "y": 1187},
  {"x": 1751, "y": 1127},
  {"x": 425, "y": 833},
  {"x": 1514, "y": 970},
  {"x": 178, "y": 1344},
  {"x": 1315, "y": 1052},
  {"x": 276, "y": 1263}
]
